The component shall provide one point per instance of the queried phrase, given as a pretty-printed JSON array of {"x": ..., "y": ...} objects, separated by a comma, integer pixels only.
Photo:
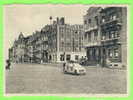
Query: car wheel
[{"x": 65, "y": 71}]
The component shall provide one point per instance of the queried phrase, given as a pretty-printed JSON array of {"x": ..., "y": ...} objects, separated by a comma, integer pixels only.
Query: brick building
[
  {"x": 37, "y": 47},
  {"x": 65, "y": 42}
]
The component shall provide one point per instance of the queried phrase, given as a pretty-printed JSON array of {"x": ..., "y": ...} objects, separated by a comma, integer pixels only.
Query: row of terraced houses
[{"x": 102, "y": 36}]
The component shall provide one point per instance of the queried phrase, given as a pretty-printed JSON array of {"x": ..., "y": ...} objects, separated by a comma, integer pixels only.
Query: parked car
[{"x": 73, "y": 68}]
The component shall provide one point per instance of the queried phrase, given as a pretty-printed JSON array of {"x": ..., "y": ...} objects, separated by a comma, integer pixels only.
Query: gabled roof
[{"x": 21, "y": 35}]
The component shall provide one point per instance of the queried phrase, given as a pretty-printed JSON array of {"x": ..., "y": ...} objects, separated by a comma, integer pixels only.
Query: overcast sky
[{"x": 28, "y": 18}]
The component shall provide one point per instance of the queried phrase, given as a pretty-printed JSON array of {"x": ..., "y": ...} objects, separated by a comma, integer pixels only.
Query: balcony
[
  {"x": 45, "y": 39},
  {"x": 117, "y": 20},
  {"x": 110, "y": 39},
  {"x": 88, "y": 28},
  {"x": 92, "y": 44}
]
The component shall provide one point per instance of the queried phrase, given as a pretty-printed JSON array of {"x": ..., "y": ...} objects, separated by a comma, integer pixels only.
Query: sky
[{"x": 29, "y": 18}]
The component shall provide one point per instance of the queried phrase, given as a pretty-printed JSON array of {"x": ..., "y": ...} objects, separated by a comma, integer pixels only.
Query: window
[
  {"x": 62, "y": 35},
  {"x": 61, "y": 57},
  {"x": 112, "y": 34},
  {"x": 62, "y": 43},
  {"x": 68, "y": 44},
  {"x": 71, "y": 68},
  {"x": 110, "y": 53},
  {"x": 80, "y": 48},
  {"x": 96, "y": 18},
  {"x": 89, "y": 37},
  {"x": 67, "y": 67},
  {"x": 95, "y": 35},
  {"x": 76, "y": 57},
  {"x": 103, "y": 37},
  {"x": 117, "y": 34},
  {"x": 76, "y": 32},
  {"x": 114, "y": 17},
  {"x": 68, "y": 57},
  {"x": 116, "y": 52},
  {"x": 89, "y": 21},
  {"x": 85, "y": 22},
  {"x": 85, "y": 36},
  {"x": 103, "y": 20},
  {"x": 82, "y": 38}
]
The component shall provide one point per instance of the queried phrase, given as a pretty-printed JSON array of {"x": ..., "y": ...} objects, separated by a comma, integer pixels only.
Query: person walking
[{"x": 8, "y": 64}]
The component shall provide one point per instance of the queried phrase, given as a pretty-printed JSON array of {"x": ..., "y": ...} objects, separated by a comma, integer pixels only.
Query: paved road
[{"x": 49, "y": 78}]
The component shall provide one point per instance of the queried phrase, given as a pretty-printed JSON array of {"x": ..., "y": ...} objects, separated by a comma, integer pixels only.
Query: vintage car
[{"x": 73, "y": 68}]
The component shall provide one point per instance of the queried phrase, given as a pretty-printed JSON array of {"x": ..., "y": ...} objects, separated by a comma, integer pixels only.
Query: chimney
[
  {"x": 57, "y": 20},
  {"x": 62, "y": 20}
]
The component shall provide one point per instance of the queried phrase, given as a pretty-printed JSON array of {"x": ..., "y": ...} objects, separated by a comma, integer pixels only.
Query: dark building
[
  {"x": 114, "y": 34},
  {"x": 106, "y": 35}
]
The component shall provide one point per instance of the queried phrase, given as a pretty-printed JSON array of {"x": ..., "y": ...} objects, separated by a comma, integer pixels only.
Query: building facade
[
  {"x": 106, "y": 35},
  {"x": 93, "y": 35},
  {"x": 30, "y": 49},
  {"x": 65, "y": 42},
  {"x": 44, "y": 45},
  {"x": 18, "y": 50},
  {"x": 114, "y": 34},
  {"x": 102, "y": 37}
]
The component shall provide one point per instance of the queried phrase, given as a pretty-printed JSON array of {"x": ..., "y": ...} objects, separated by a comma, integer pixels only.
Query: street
[{"x": 49, "y": 79}]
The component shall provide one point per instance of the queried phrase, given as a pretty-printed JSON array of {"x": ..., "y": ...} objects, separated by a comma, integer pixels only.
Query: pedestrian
[
  {"x": 8, "y": 64},
  {"x": 64, "y": 64}
]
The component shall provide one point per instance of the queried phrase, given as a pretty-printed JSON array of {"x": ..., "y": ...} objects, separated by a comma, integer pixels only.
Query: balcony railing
[
  {"x": 110, "y": 39},
  {"x": 112, "y": 20},
  {"x": 88, "y": 28},
  {"x": 90, "y": 44},
  {"x": 45, "y": 39}
]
